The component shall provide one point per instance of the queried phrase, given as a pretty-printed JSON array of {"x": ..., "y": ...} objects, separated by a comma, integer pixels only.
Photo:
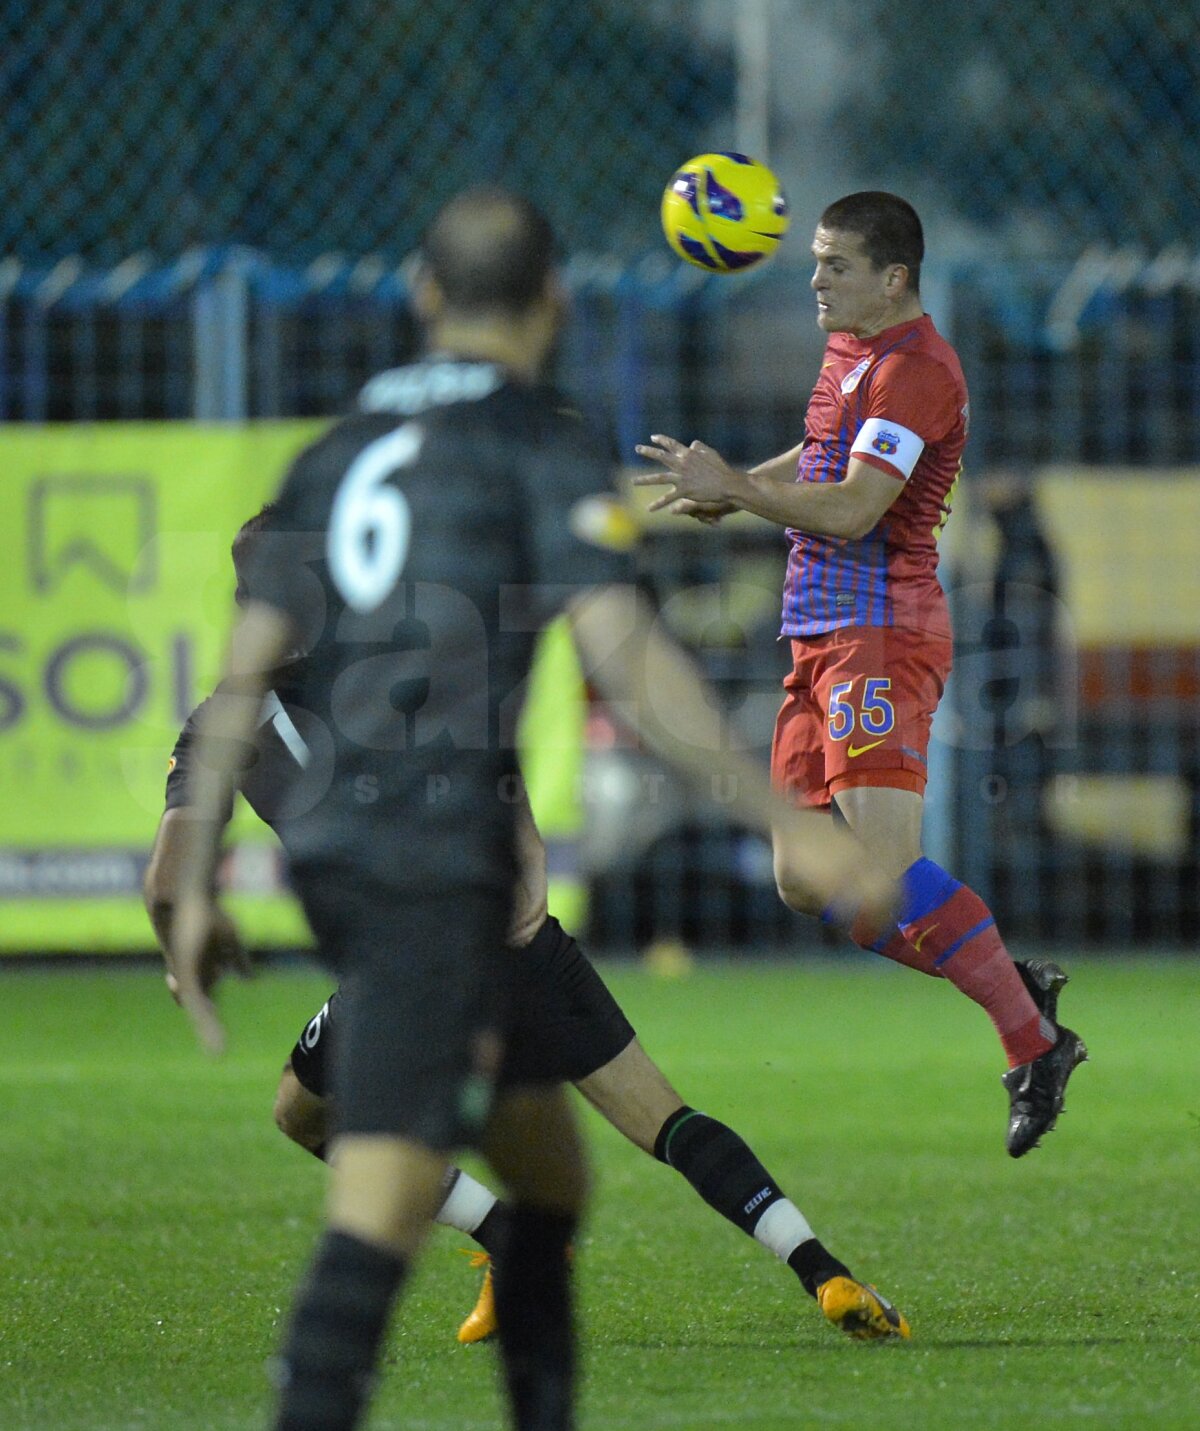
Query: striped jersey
[{"x": 899, "y": 402}]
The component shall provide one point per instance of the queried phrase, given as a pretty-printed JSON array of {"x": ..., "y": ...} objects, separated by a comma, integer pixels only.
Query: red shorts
[{"x": 857, "y": 710}]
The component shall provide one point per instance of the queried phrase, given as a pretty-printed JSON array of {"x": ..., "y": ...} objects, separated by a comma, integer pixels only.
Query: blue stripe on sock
[
  {"x": 925, "y": 886},
  {"x": 958, "y": 943}
]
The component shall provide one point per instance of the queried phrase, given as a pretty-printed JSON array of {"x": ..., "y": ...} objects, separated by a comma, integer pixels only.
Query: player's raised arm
[
  {"x": 698, "y": 473},
  {"x": 656, "y": 688},
  {"x": 260, "y": 640}
]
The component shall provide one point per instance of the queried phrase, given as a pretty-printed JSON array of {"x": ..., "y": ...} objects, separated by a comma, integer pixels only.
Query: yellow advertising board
[
  {"x": 115, "y": 602},
  {"x": 115, "y": 599}
]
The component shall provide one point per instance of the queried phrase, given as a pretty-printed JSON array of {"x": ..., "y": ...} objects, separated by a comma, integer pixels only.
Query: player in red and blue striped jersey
[{"x": 864, "y": 497}]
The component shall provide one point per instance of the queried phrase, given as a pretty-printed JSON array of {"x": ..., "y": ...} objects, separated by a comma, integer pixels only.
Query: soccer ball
[{"x": 724, "y": 212}]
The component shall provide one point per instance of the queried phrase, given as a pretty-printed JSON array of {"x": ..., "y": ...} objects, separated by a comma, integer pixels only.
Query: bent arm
[
  {"x": 259, "y": 642},
  {"x": 698, "y": 473},
  {"x": 198, "y": 951},
  {"x": 849, "y": 508}
]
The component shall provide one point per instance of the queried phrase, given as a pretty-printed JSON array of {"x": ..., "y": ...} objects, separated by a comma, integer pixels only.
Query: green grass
[{"x": 153, "y": 1223}]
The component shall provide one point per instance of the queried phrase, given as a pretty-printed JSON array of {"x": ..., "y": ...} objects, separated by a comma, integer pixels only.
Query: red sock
[
  {"x": 962, "y": 937},
  {"x": 949, "y": 931},
  {"x": 894, "y": 946}
]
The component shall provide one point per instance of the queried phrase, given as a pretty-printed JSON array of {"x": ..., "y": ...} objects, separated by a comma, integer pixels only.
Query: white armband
[{"x": 897, "y": 446}]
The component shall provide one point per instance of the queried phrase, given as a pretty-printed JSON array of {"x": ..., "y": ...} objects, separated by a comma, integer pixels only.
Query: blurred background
[{"x": 204, "y": 213}]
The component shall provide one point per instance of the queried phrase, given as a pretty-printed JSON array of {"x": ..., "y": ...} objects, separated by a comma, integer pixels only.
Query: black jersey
[
  {"x": 274, "y": 777},
  {"x": 418, "y": 548}
]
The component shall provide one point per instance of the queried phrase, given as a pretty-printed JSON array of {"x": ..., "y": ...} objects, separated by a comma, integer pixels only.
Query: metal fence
[
  {"x": 304, "y": 126},
  {"x": 1102, "y": 374},
  {"x": 203, "y": 212}
]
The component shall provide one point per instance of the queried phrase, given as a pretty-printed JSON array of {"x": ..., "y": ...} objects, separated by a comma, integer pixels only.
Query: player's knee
[
  {"x": 285, "y": 1110},
  {"x": 299, "y": 1114},
  {"x": 793, "y": 890}
]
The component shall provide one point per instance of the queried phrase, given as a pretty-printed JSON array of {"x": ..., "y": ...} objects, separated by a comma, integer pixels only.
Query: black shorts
[
  {"x": 563, "y": 1023},
  {"x": 421, "y": 1009}
]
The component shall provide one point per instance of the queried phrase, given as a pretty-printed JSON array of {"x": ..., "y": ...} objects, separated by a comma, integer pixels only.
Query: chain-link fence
[
  {"x": 1056, "y": 709},
  {"x": 317, "y": 125},
  {"x": 203, "y": 213},
  {"x": 305, "y": 126}
]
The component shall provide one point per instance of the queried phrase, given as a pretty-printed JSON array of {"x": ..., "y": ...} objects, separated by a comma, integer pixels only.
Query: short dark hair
[
  {"x": 888, "y": 225},
  {"x": 489, "y": 251},
  {"x": 244, "y": 543}
]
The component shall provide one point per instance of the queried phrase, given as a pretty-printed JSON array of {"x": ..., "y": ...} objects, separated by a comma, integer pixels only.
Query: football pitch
[{"x": 155, "y": 1223}]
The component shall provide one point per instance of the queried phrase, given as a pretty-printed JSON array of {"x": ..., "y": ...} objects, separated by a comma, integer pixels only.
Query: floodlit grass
[{"x": 153, "y": 1224}]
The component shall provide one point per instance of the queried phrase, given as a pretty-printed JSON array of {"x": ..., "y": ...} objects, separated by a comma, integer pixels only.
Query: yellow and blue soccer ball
[{"x": 724, "y": 212}]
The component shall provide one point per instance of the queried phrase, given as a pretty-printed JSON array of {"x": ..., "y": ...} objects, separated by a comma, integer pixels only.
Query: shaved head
[{"x": 489, "y": 251}]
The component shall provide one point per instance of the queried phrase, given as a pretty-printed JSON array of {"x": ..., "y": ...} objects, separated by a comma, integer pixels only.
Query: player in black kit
[
  {"x": 569, "y": 1028},
  {"x": 418, "y": 540}
]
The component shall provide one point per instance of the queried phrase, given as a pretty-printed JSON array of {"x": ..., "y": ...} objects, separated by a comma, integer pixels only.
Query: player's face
[{"x": 853, "y": 296}]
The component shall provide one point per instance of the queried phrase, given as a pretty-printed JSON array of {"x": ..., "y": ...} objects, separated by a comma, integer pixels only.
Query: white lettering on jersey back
[
  {"x": 425, "y": 385},
  {"x": 897, "y": 446},
  {"x": 273, "y": 713}
]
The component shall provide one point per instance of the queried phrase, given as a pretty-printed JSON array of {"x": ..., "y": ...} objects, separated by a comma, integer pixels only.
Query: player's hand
[
  {"x": 697, "y": 473},
  {"x": 836, "y": 868},
  {"x": 204, "y": 944},
  {"x": 224, "y": 951},
  {"x": 710, "y": 513}
]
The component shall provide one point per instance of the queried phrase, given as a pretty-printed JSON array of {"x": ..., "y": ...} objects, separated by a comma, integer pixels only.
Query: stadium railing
[{"x": 1067, "y": 764}]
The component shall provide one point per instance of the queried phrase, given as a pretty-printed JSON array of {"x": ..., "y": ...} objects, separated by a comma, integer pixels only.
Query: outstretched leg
[{"x": 632, "y": 1093}]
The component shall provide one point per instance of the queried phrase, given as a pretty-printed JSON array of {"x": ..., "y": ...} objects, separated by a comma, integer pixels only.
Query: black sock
[
  {"x": 492, "y": 1231},
  {"x": 338, "y": 1322},
  {"x": 813, "y": 1263},
  {"x": 719, "y": 1165},
  {"x": 534, "y": 1312}
]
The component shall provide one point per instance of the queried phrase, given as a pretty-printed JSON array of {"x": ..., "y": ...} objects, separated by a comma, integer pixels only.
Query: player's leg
[
  {"x": 302, "y": 1114},
  {"x": 383, "y": 1191},
  {"x": 849, "y": 731},
  {"x": 580, "y": 1032},
  {"x": 878, "y": 689},
  {"x": 565, "y": 1025},
  {"x": 533, "y": 1144},
  {"x": 948, "y": 927},
  {"x": 953, "y": 933},
  {"x": 414, "y": 1059},
  {"x": 798, "y": 769},
  {"x": 633, "y": 1094}
]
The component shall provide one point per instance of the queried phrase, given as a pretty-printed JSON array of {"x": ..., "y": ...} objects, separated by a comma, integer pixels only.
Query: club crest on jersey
[
  {"x": 886, "y": 443},
  {"x": 855, "y": 375}
]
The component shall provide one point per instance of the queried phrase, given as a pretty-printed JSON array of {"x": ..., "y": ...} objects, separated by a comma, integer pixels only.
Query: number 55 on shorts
[{"x": 870, "y": 722}]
